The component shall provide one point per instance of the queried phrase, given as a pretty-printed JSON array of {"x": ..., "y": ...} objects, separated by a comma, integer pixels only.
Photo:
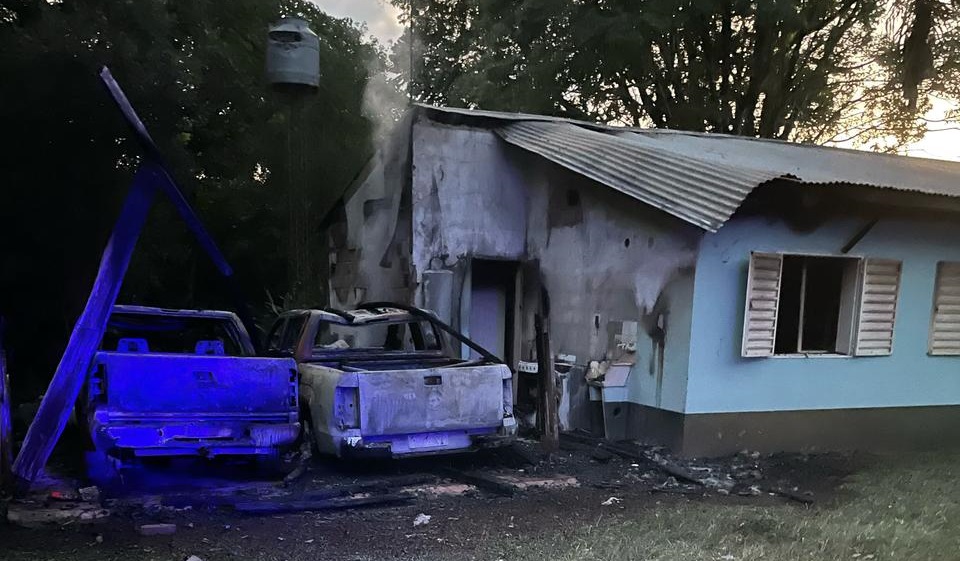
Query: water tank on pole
[{"x": 293, "y": 55}]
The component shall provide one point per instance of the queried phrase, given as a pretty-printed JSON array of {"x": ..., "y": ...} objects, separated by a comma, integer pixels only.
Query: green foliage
[
  {"x": 807, "y": 70},
  {"x": 195, "y": 72}
]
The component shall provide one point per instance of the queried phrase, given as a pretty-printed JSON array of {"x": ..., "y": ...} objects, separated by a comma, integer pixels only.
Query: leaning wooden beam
[
  {"x": 65, "y": 386},
  {"x": 6, "y": 424}
]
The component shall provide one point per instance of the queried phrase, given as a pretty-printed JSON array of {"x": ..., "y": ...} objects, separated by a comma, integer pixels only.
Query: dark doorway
[{"x": 493, "y": 303}]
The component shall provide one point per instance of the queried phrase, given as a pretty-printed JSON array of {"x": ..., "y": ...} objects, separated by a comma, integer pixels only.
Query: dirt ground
[{"x": 554, "y": 496}]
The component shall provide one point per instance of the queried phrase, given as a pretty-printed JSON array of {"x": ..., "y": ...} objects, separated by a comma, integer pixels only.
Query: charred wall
[
  {"x": 370, "y": 233},
  {"x": 614, "y": 275}
]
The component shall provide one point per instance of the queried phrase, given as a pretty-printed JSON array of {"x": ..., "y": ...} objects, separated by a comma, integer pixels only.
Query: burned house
[{"x": 709, "y": 292}]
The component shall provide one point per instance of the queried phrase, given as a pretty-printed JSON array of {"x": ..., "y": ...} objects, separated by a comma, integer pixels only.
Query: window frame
[
  {"x": 850, "y": 322},
  {"x": 935, "y": 310}
]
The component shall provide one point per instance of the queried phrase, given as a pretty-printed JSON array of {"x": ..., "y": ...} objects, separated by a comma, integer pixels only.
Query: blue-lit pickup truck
[{"x": 186, "y": 383}]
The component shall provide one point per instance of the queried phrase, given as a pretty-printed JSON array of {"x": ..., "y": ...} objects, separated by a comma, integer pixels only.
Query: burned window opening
[{"x": 808, "y": 314}]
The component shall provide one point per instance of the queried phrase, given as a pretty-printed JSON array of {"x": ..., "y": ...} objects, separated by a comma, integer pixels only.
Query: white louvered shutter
[
  {"x": 763, "y": 297},
  {"x": 945, "y": 325},
  {"x": 878, "y": 307}
]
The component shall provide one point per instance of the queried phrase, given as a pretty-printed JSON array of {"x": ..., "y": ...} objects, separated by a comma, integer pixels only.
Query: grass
[{"x": 895, "y": 509}]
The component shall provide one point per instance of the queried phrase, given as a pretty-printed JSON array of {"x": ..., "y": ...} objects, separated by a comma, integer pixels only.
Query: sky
[
  {"x": 381, "y": 20},
  {"x": 379, "y": 15}
]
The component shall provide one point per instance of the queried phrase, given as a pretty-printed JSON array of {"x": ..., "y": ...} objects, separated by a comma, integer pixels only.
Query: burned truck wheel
[
  {"x": 102, "y": 468},
  {"x": 270, "y": 465}
]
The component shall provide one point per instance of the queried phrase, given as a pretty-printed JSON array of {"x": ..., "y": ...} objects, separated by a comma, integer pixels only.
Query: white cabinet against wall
[
  {"x": 805, "y": 305},
  {"x": 945, "y": 323}
]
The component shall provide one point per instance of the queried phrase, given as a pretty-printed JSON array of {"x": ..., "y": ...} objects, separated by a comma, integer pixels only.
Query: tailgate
[
  {"x": 187, "y": 384},
  {"x": 412, "y": 401}
]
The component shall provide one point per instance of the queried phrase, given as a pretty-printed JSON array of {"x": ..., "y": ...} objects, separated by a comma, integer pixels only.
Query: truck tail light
[
  {"x": 508, "y": 397},
  {"x": 98, "y": 383},
  {"x": 294, "y": 390},
  {"x": 346, "y": 407}
]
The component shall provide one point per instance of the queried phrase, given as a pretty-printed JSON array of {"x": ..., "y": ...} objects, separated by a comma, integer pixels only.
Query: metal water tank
[{"x": 293, "y": 54}]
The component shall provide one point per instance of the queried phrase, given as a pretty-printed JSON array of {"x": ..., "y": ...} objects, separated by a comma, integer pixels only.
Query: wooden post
[
  {"x": 550, "y": 440},
  {"x": 6, "y": 423},
  {"x": 65, "y": 386}
]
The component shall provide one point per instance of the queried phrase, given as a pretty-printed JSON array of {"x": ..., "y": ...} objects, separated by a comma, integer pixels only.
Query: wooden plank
[
  {"x": 6, "y": 423},
  {"x": 550, "y": 440},
  {"x": 276, "y": 507},
  {"x": 480, "y": 481},
  {"x": 381, "y": 486},
  {"x": 58, "y": 401}
]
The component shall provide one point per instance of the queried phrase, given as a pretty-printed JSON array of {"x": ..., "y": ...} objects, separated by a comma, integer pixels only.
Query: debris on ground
[
  {"x": 214, "y": 505},
  {"x": 33, "y": 516},
  {"x": 481, "y": 481},
  {"x": 283, "y": 506},
  {"x": 421, "y": 519},
  {"x": 794, "y": 495},
  {"x": 526, "y": 482},
  {"x": 303, "y": 463},
  {"x": 90, "y": 494},
  {"x": 67, "y": 496},
  {"x": 156, "y": 529},
  {"x": 601, "y": 455}
]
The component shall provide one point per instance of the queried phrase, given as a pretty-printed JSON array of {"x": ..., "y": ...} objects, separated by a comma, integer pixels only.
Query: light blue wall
[{"x": 719, "y": 380}]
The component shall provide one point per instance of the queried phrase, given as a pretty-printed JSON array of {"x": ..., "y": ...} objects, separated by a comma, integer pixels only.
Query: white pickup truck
[{"x": 385, "y": 381}]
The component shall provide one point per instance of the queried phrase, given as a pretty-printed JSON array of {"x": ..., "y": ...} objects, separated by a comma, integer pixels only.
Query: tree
[
  {"x": 195, "y": 72},
  {"x": 806, "y": 70}
]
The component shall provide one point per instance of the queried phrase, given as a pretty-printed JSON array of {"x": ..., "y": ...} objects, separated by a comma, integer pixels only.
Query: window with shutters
[
  {"x": 945, "y": 323},
  {"x": 808, "y": 305}
]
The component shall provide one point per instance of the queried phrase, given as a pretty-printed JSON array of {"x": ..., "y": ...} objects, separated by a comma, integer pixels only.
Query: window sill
[{"x": 811, "y": 355}]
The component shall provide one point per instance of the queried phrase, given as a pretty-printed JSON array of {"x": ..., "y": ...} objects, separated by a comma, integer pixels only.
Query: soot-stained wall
[
  {"x": 608, "y": 263},
  {"x": 617, "y": 275},
  {"x": 370, "y": 235}
]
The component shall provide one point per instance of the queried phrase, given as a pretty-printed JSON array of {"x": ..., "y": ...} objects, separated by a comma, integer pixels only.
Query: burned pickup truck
[
  {"x": 186, "y": 382},
  {"x": 385, "y": 381}
]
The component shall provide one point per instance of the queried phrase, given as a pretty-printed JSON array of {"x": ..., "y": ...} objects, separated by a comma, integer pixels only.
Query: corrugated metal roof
[
  {"x": 704, "y": 177},
  {"x": 704, "y": 194},
  {"x": 809, "y": 163}
]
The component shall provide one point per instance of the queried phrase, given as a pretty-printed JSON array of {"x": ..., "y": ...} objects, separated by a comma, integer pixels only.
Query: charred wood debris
[{"x": 584, "y": 461}]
